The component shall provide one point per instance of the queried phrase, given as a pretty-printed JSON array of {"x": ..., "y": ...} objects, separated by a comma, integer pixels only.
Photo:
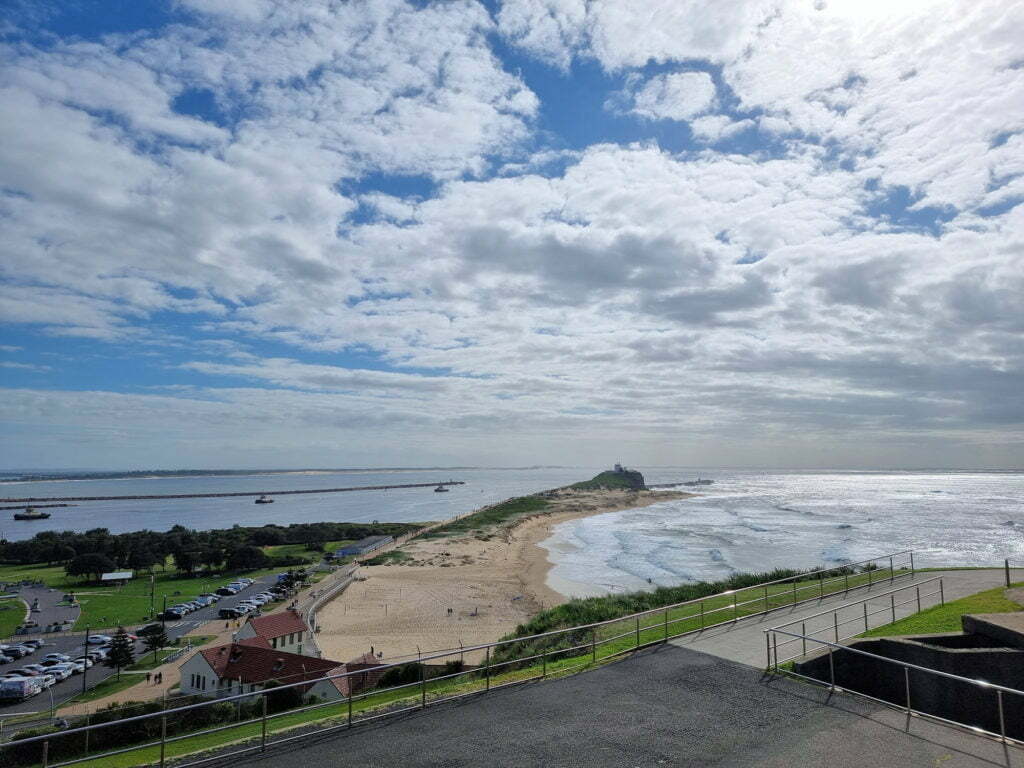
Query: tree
[
  {"x": 155, "y": 640},
  {"x": 185, "y": 561},
  {"x": 267, "y": 536},
  {"x": 247, "y": 559},
  {"x": 92, "y": 564},
  {"x": 122, "y": 651},
  {"x": 142, "y": 560}
]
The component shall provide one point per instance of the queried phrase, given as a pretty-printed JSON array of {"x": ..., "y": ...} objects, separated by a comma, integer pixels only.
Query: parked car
[
  {"x": 57, "y": 656},
  {"x": 226, "y": 591},
  {"x": 71, "y": 667},
  {"x": 19, "y": 688},
  {"x": 99, "y": 639},
  {"x": 48, "y": 679},
  {"x": 14, "y": 651},
  {"x": 59, "y": 673},
  {"x": 170, "y": 615},
  {"x": 24, "y": 672},
  {"x": 213, "y": 596},
  {"x": 6, "y": 659},
  {"x": 34, "y": 643},
  {"x": 85, "y": 661},
  {"x": 37, "y": 667}
]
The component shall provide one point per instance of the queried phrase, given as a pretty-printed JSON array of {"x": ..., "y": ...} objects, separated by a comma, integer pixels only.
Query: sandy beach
[{"x": 460, "y": 590}]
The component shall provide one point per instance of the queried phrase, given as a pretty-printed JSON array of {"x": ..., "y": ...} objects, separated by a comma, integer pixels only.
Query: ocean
[{"x": 756, "y": 521}]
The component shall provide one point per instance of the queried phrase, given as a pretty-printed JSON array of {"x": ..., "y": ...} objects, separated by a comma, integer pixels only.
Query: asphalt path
[
  {"x": 664, "y": 707},
  {"x": 74, "y": 645}
]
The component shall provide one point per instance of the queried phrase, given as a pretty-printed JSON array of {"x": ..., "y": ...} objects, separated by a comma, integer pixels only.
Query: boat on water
[
  {"x": 440, "y": 489},
  {"x": 264, "y": 500},
  {"x": 31, "y": 513}
]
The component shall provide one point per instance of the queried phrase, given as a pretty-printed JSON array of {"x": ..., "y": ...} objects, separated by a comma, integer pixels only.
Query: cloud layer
[{"x": 348, "y": 231}]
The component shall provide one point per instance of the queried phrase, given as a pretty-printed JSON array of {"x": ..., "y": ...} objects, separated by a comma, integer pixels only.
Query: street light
[{"x": 85, "y": 653}]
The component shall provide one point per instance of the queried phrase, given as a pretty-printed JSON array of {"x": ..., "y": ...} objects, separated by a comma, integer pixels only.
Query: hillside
[{"x": 628, "y": 479}]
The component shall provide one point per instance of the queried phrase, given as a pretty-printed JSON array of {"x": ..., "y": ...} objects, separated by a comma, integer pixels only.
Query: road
[{"x": 74, "y": 645}]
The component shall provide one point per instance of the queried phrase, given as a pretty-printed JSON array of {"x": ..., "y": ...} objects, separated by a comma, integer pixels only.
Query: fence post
[
  {"x": 918, "y": 590},
  {"x": 835, "y": 622},
  {"x": 263, "y": 725},
  {"x": 163, "y": 740},
  {"x": 767, "y": 651},
  {"x": 349, "y": 703},
  {"x": 487, "y": 670},
  {"x": 423, "y": 686},
  {"x": 1002, "y": 717},
  {"x": 831, "y": 670},
  {"x": 892, "y": 572},
  {"x": 912, "y": 572},
  {"x": 906, "y": 684},
  {"x": 702, "y": 614},
  {"x": 892, "y": 602},
  {"x": 593, "y": 645},
  {"x": 46, "y": 753},
  {"x": 544, "y": 664},
  {"x": 735, "y": 606},
  {"x": 794, "y": 591},
  {"x": 637, "y": 631},
  {"x": 775, "y": 650},
  {"x": 942, "y": 593},
  {"x": 666, "y": 624},
  {"x": 869, "y": 576},
  {"x": 766, "y": 598},
  {"x": 803, "y": 637},
  {"x": 1006, "y": 567}
]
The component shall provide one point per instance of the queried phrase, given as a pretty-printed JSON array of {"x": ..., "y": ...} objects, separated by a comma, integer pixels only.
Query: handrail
[
  {"x": 469, "y": 649},
  {"x": 855, "y": 602},
  {"x": 907, "y": 664}
]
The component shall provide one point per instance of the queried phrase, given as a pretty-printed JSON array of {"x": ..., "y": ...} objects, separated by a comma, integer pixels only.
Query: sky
[{"x": 256, "y": 233}]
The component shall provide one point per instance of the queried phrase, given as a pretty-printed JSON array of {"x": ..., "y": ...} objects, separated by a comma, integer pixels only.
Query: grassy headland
[
  {"x": 627, "y": 480},
  {"x": 492, "y": 517},
  {"x": 946, "y": 618}
]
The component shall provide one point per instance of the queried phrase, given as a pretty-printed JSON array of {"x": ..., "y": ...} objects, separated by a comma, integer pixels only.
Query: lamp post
[{"x": 85, "y": 653}]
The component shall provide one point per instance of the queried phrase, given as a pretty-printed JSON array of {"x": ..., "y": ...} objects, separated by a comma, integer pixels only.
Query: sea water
[{"x": 756, "y": 521}]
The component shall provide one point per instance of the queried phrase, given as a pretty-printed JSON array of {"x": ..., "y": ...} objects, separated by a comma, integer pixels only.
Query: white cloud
[{"x": 675, "y": 96}]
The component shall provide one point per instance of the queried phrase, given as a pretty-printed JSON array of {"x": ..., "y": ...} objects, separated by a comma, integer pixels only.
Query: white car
[
  {"x": 59, "y": 672},
  {"x": 72, "y": 667},
  {"x": 57, "y": 657},
  {"x": 49, "y": 679},
  {"x": 99, "y": 639},
  {"x": 85, "y": 661}
]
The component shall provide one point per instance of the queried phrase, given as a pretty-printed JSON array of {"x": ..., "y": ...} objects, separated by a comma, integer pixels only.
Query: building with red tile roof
[{"x": 284, "y": 630}]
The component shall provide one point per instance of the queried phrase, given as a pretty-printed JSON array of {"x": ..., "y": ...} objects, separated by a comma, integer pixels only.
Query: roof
[
  {"x": 277, "y": 624},
  {"x": 251, "y": 662},
  {"x": 354, "y": 683},
  {"x": 116, "y": 576}
]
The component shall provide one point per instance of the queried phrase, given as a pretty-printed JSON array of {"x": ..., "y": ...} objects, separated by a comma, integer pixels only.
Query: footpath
[{"x": 743, "y": 640}]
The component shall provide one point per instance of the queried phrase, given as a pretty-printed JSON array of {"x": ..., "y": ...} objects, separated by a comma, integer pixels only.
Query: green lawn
[
  {"x": 106, "y": 687},
  {"x": 146, "y": 662},
  {"x": 106, "y": 607},
  {"x": 492, "y": 516},
  {"x": 946, "y": 618},
  {"x": 12, "y": 613}
]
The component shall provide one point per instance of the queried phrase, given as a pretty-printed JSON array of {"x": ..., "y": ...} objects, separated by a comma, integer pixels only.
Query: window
[{"x": 273, "y": 642}]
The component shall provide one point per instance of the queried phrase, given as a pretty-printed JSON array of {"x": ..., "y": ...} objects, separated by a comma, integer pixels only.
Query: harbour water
[
  {"x": 483, "y": 486},
  {"x": 755, "y": 521}
]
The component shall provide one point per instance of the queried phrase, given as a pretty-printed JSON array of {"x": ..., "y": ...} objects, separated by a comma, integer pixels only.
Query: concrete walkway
[
  {"x": 744, "y": 640},
  {"x": 661, "y": 708}
]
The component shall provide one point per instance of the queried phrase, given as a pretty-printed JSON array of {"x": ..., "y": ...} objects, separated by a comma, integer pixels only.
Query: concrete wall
[{"x": 965, "y": 703}]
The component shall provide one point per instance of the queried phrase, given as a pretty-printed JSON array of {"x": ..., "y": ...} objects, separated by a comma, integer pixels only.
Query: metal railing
[
  {"x": 833, "y": 627},
  {"x": 907, "y": 706},
  {"x": 539, "y": 656}
]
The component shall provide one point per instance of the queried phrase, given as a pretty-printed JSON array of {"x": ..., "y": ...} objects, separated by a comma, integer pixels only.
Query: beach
[{"x": 461, "y": 590}]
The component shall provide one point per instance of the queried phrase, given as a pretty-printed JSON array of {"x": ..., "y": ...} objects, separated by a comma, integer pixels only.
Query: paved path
[
  {"x": 744, "y": 640},
  {"x": 661, "y": 708}
]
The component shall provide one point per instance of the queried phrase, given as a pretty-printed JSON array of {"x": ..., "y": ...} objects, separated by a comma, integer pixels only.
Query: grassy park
[{"x": 104, "y": 607}]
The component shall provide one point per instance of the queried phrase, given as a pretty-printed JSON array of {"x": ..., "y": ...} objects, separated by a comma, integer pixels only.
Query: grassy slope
[
  {"x": 490, "y": 517},
  {"x": 628, "y": 480},
  {"x": 946, "y": 618}
]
